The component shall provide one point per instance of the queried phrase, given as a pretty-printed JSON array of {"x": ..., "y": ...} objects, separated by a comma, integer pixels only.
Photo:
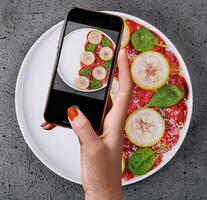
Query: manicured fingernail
[{"x": 72, "y": 113}]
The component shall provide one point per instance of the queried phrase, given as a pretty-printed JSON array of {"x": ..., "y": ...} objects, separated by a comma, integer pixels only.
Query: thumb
[{"x": 82, "y": 127}]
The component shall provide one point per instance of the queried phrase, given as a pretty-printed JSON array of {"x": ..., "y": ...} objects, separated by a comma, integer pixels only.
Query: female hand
[{"x": 101, "y": 155}]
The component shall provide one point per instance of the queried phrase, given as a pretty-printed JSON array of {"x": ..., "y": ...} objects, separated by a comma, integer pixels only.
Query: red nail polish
[{"x": 72, "y": 113}]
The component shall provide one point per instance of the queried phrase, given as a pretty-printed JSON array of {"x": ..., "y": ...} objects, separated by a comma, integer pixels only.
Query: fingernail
[{"x": 72, "y": 113}]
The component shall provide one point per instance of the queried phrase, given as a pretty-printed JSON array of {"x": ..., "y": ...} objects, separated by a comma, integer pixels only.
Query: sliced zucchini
[
  {"x": 94, "y": 37},
  {"x": 82, "y": 82},
  {"x": 106, "y": 53},
  {"x": 150, "y": 70},
  {"x": 99, "y": 73},
  {"x": 145, "y": 127},
  {"x": 114, "y": 89},
  {"x": 125, "y": 36},
  {"x": 87, "y": 58}
]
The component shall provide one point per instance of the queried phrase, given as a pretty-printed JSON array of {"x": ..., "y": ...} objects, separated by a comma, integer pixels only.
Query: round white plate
[
  {"x": 58, "y": 149},
  {"x": 69, "y": 63}
]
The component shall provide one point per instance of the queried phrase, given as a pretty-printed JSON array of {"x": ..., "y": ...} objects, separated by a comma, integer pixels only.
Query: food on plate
[
  {"x": 150, "y": 70},
  {"x": 106, "y": 53},
  {"x": 143, "y": 40},
  {"x": 125, "y": 36},
  {"x": 99, "y": 73},
  {"x": 90, "y": 47},
  {"x": 122, "y": 165},
  {"x": 106, "y": 42},
  {"x": 145, "y": 127},
  {"x": 157, "y": 110},
  {"x": 114, "y": 88},
  {"x": 95, "y": 61},
  {"x": 168, "y": 95},
  {"x": 94, "y": 37},
  {"x": 107, "y": 64},
  {"x": 173, "y": 62},
  {"x": 133, "y": 26},
  {"x": 84, "y": 71},
  {"x": 141, "y": 161},
  {"x": 180, "y": 82},
  {"x": 87, "y": 58},
  {"x": 95, "y": 84},
  {"x": 82, "y": 82}
]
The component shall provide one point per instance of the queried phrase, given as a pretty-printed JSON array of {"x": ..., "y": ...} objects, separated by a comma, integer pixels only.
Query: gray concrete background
[{"x": 23, "y": 176}]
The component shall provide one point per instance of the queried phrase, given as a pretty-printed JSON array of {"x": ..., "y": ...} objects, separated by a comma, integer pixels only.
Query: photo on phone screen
[
  {"x": 85, "y": 60},
  {"x": 83, "y": 70}
]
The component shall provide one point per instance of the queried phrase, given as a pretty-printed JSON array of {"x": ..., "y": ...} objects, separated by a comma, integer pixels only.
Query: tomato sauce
[{"x": 174, "y": 116}]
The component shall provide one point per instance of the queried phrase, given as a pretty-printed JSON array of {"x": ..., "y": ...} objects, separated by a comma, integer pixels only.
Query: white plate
[
  {"x": 59, "y": 148},
  {"x": 69, "y": 63}
]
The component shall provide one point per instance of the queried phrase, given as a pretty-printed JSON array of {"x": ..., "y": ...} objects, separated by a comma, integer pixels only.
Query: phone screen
[
  {"x": 85, "y": 60},
  {"x": 83, "y": 71}
]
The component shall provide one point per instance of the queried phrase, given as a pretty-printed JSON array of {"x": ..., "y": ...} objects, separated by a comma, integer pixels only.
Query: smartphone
[{"x": 83, "y": 71}]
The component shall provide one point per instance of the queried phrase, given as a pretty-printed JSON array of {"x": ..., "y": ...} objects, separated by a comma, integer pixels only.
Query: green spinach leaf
[
  {"x": 95, "y": 84},
  {"x": 90, "y": 47},
  {"x": 106, "y": 42},
  {"x": 168, "y": 95},
  {"x": 107, "y": 63},
  {"x": 143, "y": 39},
  {"x": 85, "y": 72},
  {"x": 141, "y": 161}
]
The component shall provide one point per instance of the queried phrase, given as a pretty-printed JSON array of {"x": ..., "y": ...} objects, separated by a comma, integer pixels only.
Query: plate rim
[{"x": 22, "y": 124}]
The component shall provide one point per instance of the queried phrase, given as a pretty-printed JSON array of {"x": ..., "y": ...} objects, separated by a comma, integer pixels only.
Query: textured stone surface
[{"x": 23, "y": 176}]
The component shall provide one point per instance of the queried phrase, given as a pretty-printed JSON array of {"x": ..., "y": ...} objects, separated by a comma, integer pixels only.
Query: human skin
[{"x": 101, "y": 155}]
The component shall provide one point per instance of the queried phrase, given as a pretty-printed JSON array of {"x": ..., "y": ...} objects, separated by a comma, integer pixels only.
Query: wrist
[{"x": 110, "y": 194}]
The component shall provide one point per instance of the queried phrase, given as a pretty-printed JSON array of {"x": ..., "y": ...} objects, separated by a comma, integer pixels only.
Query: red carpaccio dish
[
  {"x": 95, "y": 61},
  {"x": 173, "y": 116}
]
